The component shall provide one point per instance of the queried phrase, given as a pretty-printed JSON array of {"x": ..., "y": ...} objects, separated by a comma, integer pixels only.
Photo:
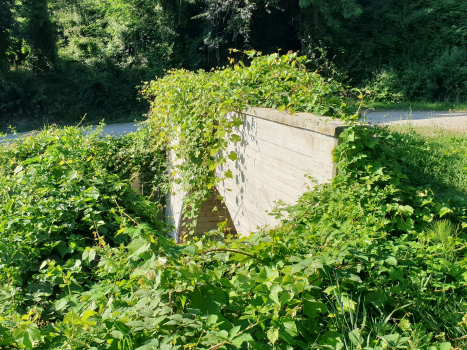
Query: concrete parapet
[{"x": 276, "y": 153}]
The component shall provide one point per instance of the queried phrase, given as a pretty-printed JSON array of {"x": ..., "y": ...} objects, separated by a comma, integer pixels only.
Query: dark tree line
[{"x": 100, "y": 49}]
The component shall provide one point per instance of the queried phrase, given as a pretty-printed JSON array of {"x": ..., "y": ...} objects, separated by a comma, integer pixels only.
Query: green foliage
[
  {"x": 365, "y": 262},
  {"x": 400, "y": 51},
  {"x": 29, "y": 101},
  {"x": 130, "y": 34},
  {"x": 57, "y": 196},
  {"x": 6, "y": 24},
  {"x": 357, "y": 263},
  {"x": 191, "y": 110},
  {"x": 39, "y": 35},
  {"x": 105, "y": 49},
  {"x": 432, "y": 157},
  {"x": 420, "y": 43}
]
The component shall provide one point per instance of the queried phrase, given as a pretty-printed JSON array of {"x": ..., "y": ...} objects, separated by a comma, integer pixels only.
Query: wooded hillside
[{"x": 61, "y": 59}]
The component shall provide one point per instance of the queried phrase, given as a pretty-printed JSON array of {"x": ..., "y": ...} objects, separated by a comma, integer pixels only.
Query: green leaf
[
  {"x": 298, "y": 287},
  {"x": 138, "y": 244},
  {"x": 235, "y": 138},
  {"x": 233, "y": 332},
  {"x": 244, "y": 337},
  {"x": 233, "y": 156},
  {"x": 275, "y": 290},
  {"x": 273, "y": 335},
  {"x": 61, "y": 304},
  {"x": 443, "y": 211},
  {"x": 289, "y": 327},
  {"x": 116, "y": 334},
  {"x": 355, "y": 337},
  {"x": 92, "y": 255},
  {"x": 211, "y": 320},
  {"x": 87, "y": 314},
  {"x": 391, "y": 261},
  {"x": 301, "y": 265},
  {"x": 62, "y": 248},
  {"x": 444, "y": 346},
  {"x": 189, "y": 249},
  {"x": 371, "y": 142},
  {"x": 237, "y": 121},
  {"x": 313, "y": 308},
  {"x": 391, "y": 338},
  {"x": 266, "y": 275},
  {"x": 223, "y": 334},
  {"x": 193, "y": 271},
  {"x": 27, "y": 334},
  {"x": 92, "y": 192},
  {"x": 150, "y": 344}
]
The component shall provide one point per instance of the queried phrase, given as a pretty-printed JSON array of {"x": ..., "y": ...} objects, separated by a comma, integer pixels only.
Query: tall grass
[{"x": 432, "y": 156}]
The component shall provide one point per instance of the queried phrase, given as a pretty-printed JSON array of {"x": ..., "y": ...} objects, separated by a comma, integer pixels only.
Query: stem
[
  {"x": 128, "y": 216},
  {"x": 230, "y": 250}
]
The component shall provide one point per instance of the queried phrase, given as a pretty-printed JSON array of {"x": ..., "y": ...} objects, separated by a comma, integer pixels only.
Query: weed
[{"x": 359, "y": 263}]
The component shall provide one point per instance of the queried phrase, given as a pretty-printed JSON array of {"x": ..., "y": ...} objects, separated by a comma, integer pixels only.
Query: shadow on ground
[{"x": 435, "y": 159}]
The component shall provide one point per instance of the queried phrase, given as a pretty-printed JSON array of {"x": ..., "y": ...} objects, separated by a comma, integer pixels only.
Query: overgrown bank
[{"x": 366, "y": 262}]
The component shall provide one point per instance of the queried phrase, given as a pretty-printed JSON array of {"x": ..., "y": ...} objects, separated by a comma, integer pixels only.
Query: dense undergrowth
[
  {"x": 29, "y": 100},
  {"x": 366, "y": 262}
]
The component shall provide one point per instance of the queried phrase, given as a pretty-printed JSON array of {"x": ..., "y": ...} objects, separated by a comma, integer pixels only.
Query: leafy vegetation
[
  {"x": 189, "y": 109},
  {"x": 368, "y": 261},
  {"x": 62, "y": 59},
  {"x": 432, "y": 157}
]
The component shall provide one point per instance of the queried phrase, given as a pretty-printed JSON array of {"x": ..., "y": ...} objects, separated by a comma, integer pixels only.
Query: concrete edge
[{"x": 307, "y": 121}]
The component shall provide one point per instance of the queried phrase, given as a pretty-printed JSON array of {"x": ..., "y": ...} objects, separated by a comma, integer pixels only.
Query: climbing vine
[{"x": 198, "y": 113}]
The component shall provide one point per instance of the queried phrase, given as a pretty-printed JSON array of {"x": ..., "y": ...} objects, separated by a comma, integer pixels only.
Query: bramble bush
[{"x": 365, "y": 262}]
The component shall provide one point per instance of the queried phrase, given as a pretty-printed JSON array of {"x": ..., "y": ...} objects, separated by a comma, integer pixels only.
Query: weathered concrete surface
[
  {"x": 276, "y": 152},
  {"x": 443, "y": 119}
]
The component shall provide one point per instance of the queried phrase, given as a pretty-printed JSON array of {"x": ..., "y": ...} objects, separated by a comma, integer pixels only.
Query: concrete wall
[{"x": 276, "y": 152}]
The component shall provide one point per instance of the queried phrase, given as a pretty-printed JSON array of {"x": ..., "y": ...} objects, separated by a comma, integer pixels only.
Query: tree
[
  {"x": 39, "y": 34},
  {"x": 6, "y": 24}
]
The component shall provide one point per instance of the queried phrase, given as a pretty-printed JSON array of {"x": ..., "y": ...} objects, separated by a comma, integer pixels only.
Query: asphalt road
[
  {"x": 110, "y": 129},
  {"x": 443, "y": 119}
]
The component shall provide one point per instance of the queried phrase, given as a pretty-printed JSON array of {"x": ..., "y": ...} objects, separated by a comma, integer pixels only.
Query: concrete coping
[{"x": 307, "y": 121}]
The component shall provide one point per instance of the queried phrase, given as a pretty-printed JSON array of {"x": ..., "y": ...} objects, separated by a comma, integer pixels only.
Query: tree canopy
[{"x": 399, "y": 50}]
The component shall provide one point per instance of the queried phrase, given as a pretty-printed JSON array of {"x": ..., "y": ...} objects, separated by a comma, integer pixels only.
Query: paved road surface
[
  {"x": 448, "y": 120},
  {"x": 110, "y": 129}
]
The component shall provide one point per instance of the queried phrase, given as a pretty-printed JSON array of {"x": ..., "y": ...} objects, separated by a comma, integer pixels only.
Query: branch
[
  {"x": 230, "y": 250},
  {"x": 128, "y": 216}
]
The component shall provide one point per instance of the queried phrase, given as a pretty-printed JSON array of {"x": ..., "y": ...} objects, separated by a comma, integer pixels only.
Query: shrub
[{"x": 365, "y": 262}]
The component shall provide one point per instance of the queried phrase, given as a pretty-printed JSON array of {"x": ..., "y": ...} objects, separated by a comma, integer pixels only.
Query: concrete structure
[
  {"x": 443, "y": 119},
  {"x": 276, "y": 153}
]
